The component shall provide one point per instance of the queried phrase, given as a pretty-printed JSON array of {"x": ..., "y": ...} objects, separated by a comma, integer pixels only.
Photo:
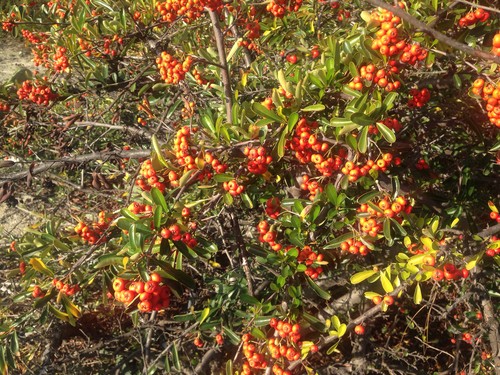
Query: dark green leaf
[
  {"x": 387, "y": 133},
  {"x": 266, "y": 113}
]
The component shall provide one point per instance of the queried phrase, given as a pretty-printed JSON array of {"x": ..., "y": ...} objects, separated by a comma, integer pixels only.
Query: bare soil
[{"x": 14, "y": 55}]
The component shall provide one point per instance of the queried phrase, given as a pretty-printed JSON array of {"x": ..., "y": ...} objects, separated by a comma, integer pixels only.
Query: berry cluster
[
  {"x": 41, "y": 54},
  {"x": 449, "y": 272},
  {"x": 9, "y": 24},
  {"x": 493, "y": 250},
  {"x": 36, "y": 92},
  {"x": 391, "y": 123},
  {"x": 34, "y": 38},
  {"x": 93, "y": 233},
  {"x": 387, "y": 300},
  {"x": 273, "y": 206},
  {"x": 189, "y": 10},
  {"x": 419, "y": 97},
  {"x": 233, "y": 188},
  {"x": 199, "y": 79},
  {"x": 61, "y": 63},
  {"x": 253, "y": 32},
  {"x": 4, "y": 107},
  {"x": 85, "y": 46},
  {"x": 370, "y": 222},
  {"x": 150, "y": 178},
  {"x": 67, "y": 289},
  {"x": 495, "y": 216},
  {"x": 496, "y": 45},
  {"x": 258, "y": 160},
  {"x": 310, "y": 259},
  {"x": 215, "y": 163},
  {"x": 37, "y": 292},
  {"x": 354, "y": 172},
  {"x": 491, "y": 95},
  {"x": 279, "y": 7},
  {"x": 422, "y": 165},
  {"x": 308, "y": 148},
  {"x": 380, "y": 77},
  {"x": 182, "y": 148},
  {"x": 355, "y": 246},
  {"x": 312, "y": 186},
  {"x": 253, "y": 360},
  {"x": 153, "y": 295},
  {"x": 388, "y": 42},
  {"x": 268, "y": 236},
  {"x": 171, "y": 70},
  {"x": 384, "y": 208},
  {"x": 139, "y": 208},
  {"x": 175, "y": 233},
  {"x": 471, "y": 18},
  {"x": 198, "y": 342}
]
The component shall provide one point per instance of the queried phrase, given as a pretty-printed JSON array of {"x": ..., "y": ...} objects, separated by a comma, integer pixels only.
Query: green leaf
[
  {"x": 204, "y": 314},
  {"x": 320, "y": 292},
  {"x": 386, "y": 283},
  {"x": 246, "y": 200},
  {"x": 362, "y": 276},
  {"x": 387, "y": 133},
  {"x": 175, "y": 357},
  {"x": 229, "y": 367},
  {"x": 363, "y": 140},
  {"x": 175, "y": 274},
  {"x": 266, "y": 113},
  {"x": 292, "y": 121},
  {"x": 361, "y": 119},
  {"x": 159, "y": 199},
  {"x": 335, "y": 321},
  {"x": 233, "y": 337},
  {"x": 107, "y": 260},
  {"x": 347, "y": 90},
  {"x": 70, "y": 307},
  {"x": 14, "y": 343},
  {"x": 280, "y": 147},
  {"x": 228, "y": 199},
  {"x": 341, "y": 122},
  {"x": 471, "y": 263},
  {"x": 333, "y": 348},
  {"x": 331, "y": 193},
  {"x": 223, "y": 177},
  {"x": 40, "y": 266},
  {"x": 158, "y": 211},
  {"x": 128, "y": 214},
  {"x": 314, "y": 108},
  {"x": 368, "y": 196},
  {"x": 389, "y": 100},
  {"x": 337, "y": 241},
  {"x": 157, "y": 150},
  {"x": 387, "y": 229},
  {"x": 398, "y": 226},
  {"x": 341, "y": 330},
  {"x": 185, "y": 178},
  {"x": 417, "y": 296}
]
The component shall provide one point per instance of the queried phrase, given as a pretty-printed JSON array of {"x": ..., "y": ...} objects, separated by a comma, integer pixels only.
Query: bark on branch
[
  {"x": 226, "y": 79},
  {"x": 46, "y": 165}
]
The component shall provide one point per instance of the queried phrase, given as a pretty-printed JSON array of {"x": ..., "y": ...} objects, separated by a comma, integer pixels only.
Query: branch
[
  {"x": 46, "y": 165},
  {"x": 434, "y": 33},
  {"x": 226, "y": 80},
  {"x": 243, "y": 251}
]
